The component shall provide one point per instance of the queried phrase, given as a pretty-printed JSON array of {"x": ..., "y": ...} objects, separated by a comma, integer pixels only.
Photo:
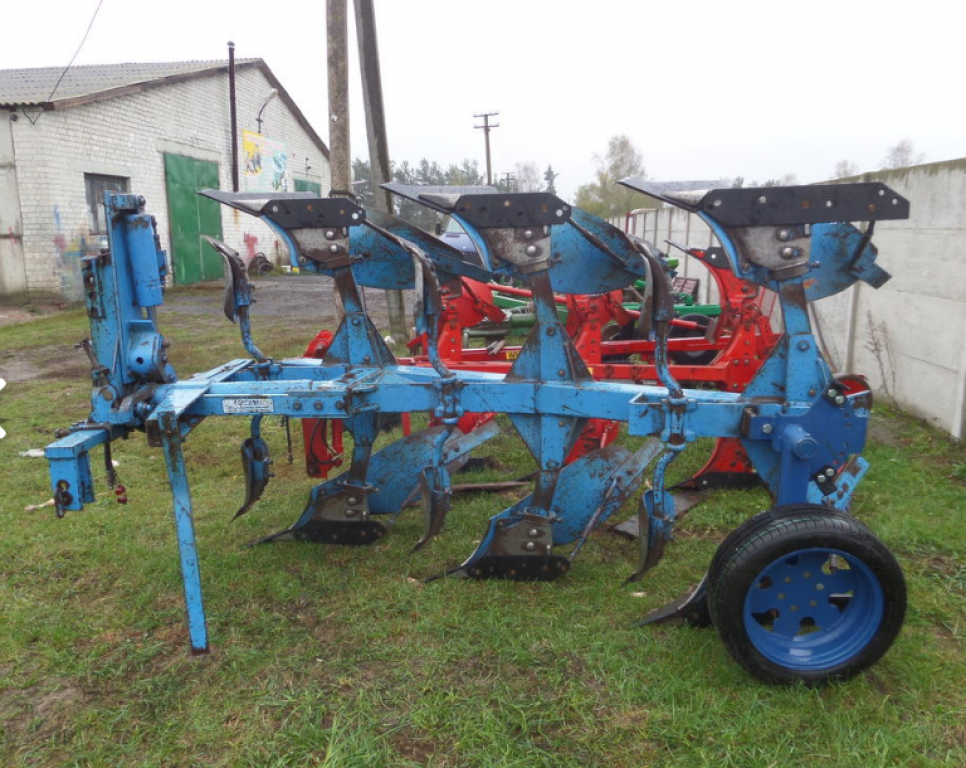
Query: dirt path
[
  {"x": 295, "y": 297},
  {"x": 300, "y": 300}
]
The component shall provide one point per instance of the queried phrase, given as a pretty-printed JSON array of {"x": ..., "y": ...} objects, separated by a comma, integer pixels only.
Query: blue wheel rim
[{"x": 813, "y": 609}]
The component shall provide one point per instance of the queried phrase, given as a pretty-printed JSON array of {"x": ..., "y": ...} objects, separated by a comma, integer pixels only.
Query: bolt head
[
  {"x": 840, "y": 400},
  {"x": 333, "y": 248},
  {"x": 830, "y": 472},
  {"x": 530, "y": 546},
  {"x": 767, "y": 428},
  {"x": 531, "y": 250},
  {"x": 330, "y": 234},
  {"x": 533, "y": 533},
  {"x": 784, "y": 235},
  {"x": 528, "y": 234},
  {"x": 352, "y": 500},
  {"x": 788, "y": 252}
]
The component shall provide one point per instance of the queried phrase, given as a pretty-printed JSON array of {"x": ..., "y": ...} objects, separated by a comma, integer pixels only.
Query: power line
[
  {"x": 72, "y": 58},
  {"x": 486, "y": 133}
]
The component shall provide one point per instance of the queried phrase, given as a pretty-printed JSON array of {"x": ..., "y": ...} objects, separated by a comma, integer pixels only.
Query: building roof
[{"x": 98, "y": 82}]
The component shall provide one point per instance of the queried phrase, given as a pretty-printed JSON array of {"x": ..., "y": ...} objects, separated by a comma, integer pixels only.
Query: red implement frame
[{"x": 742, "y": 337}]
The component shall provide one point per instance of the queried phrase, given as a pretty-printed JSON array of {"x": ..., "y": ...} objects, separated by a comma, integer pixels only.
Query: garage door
[{"x": 190, "y": 216}]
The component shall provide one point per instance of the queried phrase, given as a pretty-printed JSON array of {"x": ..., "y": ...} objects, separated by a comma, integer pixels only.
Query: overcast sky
[{"x": 705, "y": 89}]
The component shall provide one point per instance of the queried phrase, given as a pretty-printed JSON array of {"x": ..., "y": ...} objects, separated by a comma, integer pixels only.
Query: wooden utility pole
[
  {"x": 340, "y": 163},
  {"x": 486, "y": 134},
  {"x": 378, "y": 143}
]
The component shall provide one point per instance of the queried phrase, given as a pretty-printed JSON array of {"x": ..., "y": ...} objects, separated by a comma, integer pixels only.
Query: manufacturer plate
[{"x": 248, "y": 405}]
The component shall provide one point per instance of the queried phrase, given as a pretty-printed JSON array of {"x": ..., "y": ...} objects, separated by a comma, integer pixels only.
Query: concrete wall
[
  {"x": 128, "y": 136},
  {"x": 908, "y": 337}
]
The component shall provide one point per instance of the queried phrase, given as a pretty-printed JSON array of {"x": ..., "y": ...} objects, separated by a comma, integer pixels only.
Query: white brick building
[{"x": 157, "y": 130}]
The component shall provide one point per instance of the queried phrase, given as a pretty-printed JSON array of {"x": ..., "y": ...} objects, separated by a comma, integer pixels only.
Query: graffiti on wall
[
  {"x": 70, "y": 248},
  {"x": 266, "y": 163}
]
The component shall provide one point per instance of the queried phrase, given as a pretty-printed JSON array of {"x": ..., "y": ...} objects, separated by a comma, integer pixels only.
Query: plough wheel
[
  {"x": 804, "y": 593},
  {"x": 692, "y": 358}
]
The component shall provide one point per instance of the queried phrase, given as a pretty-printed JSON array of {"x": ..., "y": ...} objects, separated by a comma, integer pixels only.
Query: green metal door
[
  {"x": 304, "y": 185},
  {"x": 190, "y": 216}
]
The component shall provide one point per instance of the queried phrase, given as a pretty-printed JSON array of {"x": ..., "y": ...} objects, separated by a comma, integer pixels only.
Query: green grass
[{"x": 342, "y": 657}]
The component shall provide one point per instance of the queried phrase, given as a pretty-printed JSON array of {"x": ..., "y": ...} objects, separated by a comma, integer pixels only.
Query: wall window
[{"x": 96, "y": 186}]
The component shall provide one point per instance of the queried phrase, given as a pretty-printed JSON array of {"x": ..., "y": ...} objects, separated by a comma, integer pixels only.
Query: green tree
[
  {"x": 549, "y": 177},
  {"x": 604, "y": 196},
  {"x": 424, "y": 173},
  {"x": 362, "y": 182},
  {"x": 466, "y": 174},
  {"x": 414, "y": 213}
]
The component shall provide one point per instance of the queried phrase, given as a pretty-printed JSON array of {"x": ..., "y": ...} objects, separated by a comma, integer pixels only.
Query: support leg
[{"x": 185, "y": 528}]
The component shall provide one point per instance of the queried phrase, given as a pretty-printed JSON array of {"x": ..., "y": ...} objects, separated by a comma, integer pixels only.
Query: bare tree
[
  {"x": 901, "y": 155},
  {"x": 845, "y": 169},
  {"x": 527, "y": 177}
]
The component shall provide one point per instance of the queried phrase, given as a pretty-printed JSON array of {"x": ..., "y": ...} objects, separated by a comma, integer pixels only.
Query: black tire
[
  {"x": 261, "y": 265},
  {"x": 771, "y": 598},
  {"x": 692, "y": 358},
  {"x": 750, "y": 526}
]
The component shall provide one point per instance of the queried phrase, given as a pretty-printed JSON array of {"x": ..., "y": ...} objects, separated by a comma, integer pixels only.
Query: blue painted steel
[
  {"x": 380, "y": 262},
  {"x": 238, "y": 294},
  {"x": 660, "y": 511},
  {"x": 394, "y": 486},
  {"x": 71, "y": 483},
  {"x": 148, "y": 266},
  {"x": 184, "y": 525},
  {"x": 588, "y": 492},
  {"x": 256, "y": 463},
  {"x": 805, "y": 612},
  {"x": 124, "y": 336},
  {"x": 793, "y": 419},
  {"x": 594, "y": 256},
  {"x": 843, "y": 485},
  {"x": 840, "y": 255}
]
